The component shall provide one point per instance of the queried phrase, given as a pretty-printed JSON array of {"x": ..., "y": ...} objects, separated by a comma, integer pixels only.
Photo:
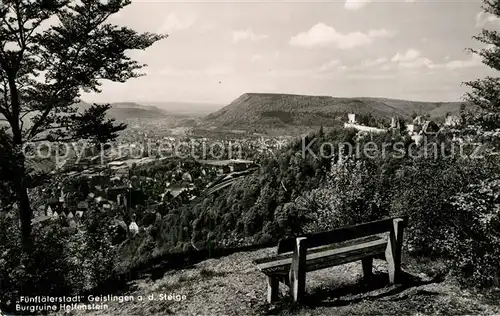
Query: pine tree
[
  {"x": 485, "y": 122},
  {"x": 50, "y": 50}
]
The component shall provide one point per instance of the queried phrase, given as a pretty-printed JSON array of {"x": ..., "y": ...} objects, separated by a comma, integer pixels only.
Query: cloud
[
  {"x": 177, "y": 22},
  {"x": 333, "y": 64},
  {"x": 413, "y": 59},
  {"x": 410, "y": 59},
  {"x": 482, "y": 18},
  {"x": 323, "y": 35},
  {"x": 372, "y": 76},
  {"x": 374, "y": 62},
  {"x": 410, "y": 55},
  {"x": 355, "y": 5},
  {"x": 474, "y": 61},
  {"x": 420, "y": 62},
  {"x": 248, "y": 35},
  {"x": 367, "y": 64}
]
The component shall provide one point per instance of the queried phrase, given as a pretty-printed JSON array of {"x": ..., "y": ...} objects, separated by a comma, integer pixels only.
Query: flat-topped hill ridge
[{"x": 290, "y": 109}]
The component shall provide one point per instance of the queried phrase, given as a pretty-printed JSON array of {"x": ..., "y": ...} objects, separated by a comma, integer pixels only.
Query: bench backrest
[{"x": 341, "y": 234}]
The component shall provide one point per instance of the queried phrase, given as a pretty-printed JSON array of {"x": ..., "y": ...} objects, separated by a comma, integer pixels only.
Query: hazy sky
[{"x": 218, "y": 50}]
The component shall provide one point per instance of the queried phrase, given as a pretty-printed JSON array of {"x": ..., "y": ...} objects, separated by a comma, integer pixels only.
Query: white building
[
  {"x": 352, "y": 118},
  {"x": 363, "y": 128}
]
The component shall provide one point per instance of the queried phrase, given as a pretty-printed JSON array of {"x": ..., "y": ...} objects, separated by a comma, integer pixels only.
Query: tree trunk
[
  {"x": 25, "y": 211},
  {"x": 20, "y": 186}
]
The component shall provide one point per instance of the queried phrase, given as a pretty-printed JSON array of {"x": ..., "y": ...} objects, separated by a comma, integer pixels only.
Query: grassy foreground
[{"x": 233, "y": 286}]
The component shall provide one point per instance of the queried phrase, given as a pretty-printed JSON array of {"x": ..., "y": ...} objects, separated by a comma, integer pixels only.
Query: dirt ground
[{"x": 232, "y": 285}]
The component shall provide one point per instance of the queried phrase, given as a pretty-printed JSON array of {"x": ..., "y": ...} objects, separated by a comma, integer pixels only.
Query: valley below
[{"x": 260, "y": 114}]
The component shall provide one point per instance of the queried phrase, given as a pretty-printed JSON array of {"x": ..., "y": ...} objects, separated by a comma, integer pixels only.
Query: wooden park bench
[{"x": 297, "y": 256}]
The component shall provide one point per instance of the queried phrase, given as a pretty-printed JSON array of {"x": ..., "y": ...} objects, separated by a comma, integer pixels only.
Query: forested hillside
[
  {"x": 281, "y": 110},
  {"x": 294, "y": 193}
]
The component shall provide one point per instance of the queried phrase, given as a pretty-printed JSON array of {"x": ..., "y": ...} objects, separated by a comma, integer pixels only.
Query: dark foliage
[{"x": 41, "y": 79}]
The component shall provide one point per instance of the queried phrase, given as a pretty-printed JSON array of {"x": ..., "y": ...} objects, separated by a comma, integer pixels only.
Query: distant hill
[
  {"x": 186, "y": 108},
  {"x": 130, "y": 110},
  {"x": 123, "y": 111},
  {"x": 278, "y": 111},
  {"x": 281, "y": 110},
  {"x": 126, "y": 110},
  {"x": 434, "y": 109}
]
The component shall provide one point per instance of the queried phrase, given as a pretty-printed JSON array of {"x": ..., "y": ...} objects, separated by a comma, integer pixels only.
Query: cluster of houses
[
  {"x": 230, "y": 165},
  {"x": 69, "y": 209},
  {"x": 112, "y": 189},
  {"x": 418, "y": 129}
]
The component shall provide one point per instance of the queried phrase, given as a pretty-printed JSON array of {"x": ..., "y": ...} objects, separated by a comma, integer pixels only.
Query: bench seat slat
[
  {"x": 323, "y": 248},
  {"x": 324, "y": 258},
  {"x": 340, "y": 234}
]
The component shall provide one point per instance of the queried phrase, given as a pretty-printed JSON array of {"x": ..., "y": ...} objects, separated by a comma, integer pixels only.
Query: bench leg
[
  {"x": 272, "y": 289},
  {"x": 393, "y": 252},
  {"x": 367, "y": 264},
  {"x": 298, "y": 270}
]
